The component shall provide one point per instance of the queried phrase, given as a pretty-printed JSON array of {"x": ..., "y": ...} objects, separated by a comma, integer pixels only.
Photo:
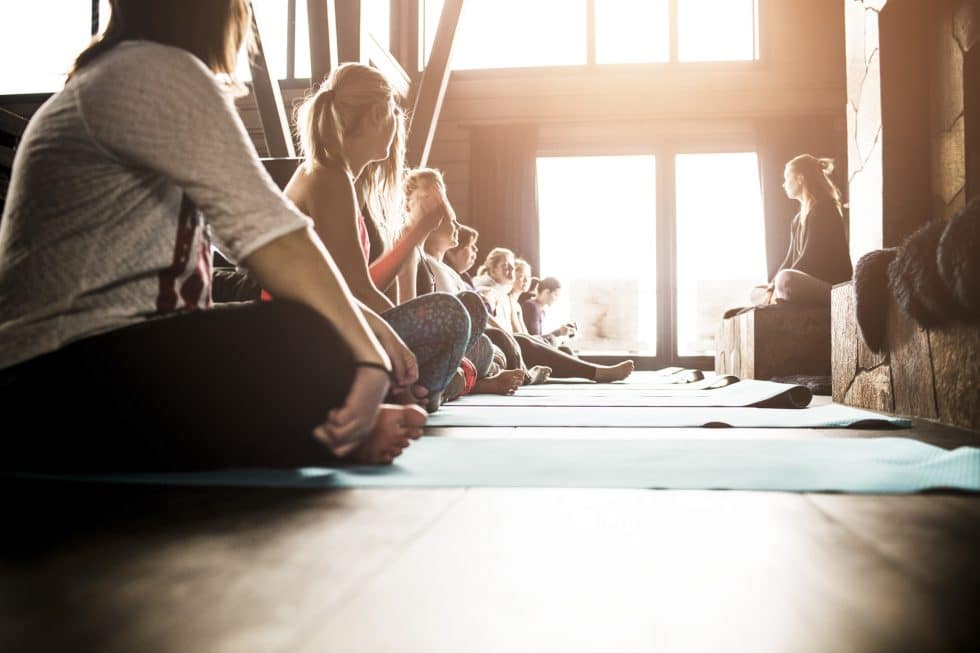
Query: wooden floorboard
[{"x": 111, "y": 568}]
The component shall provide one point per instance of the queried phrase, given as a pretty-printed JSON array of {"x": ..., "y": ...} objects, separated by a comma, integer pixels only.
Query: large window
[
  {"x": 720, "y": 242},
  {"x": 600, "y": 242},
  {"x": 39, "y": 40},
  {"x": 517, "y": 33},
  {"x": 602, "y": 236}
]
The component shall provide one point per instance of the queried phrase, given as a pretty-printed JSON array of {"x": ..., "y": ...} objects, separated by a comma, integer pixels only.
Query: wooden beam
[
  {"x": 322, "y": 16},
  {"x": 386, "y": 62},
  {"x": 406, "y": 25},
  {"x": 268, "y": 97},
  {"x": 351, "y": 30},
  {"x": 432, "y": 87},
  {"x": 12, "y": 123},
  {"x": 291, "y": 40}
]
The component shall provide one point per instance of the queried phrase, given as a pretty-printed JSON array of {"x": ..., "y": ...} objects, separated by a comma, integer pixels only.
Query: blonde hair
[
  {"x": 336, "y": 109},
  {"x": 414, "y": 179},
  {"x": 494, "y": 258},
  {"x": 379, "y": 188},
  {"x": 521, "y": 263},
  {"x": 211, "y": 30},
  {"x": 816, "y": 178}
]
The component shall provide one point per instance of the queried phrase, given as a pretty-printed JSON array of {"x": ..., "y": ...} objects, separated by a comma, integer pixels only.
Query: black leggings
[
  {"x": 563, "y": 366},
  {"x": 240, "y": 385},
  {"x": 522, "y": 351}
]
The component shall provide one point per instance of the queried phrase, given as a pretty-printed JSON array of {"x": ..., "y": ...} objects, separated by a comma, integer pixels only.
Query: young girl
[
  {"x": 501, "y": 280},
  {"x": 818, "y": 254},
  {"x": 120, "y": 180},
  {"x": 492, "y": 377},
  {"x": 350, "y": 122}
]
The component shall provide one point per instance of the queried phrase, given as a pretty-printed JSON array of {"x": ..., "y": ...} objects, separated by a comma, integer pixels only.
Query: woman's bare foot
[
  {"x": 417, "y": 394},
  {"x": 538, "y": 374},
  {"x": 455, "y": 386},
  {"x": 502, "y": 383},
  {"x": 396, "y": 427},
  {"x": 610, "y": 373}
]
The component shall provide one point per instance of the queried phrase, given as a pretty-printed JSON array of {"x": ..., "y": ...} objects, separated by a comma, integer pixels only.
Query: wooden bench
[
  {"x": 929, "y": 373},
  {"x": 773, "y": 341}
]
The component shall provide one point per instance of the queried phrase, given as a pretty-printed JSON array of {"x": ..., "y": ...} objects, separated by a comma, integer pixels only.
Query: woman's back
[
  {"x": 101, "y": 227},
  {"x": 818, "y": 245}
]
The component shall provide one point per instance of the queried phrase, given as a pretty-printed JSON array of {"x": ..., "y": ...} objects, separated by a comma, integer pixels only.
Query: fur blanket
[{"x": 934, "y": 276}]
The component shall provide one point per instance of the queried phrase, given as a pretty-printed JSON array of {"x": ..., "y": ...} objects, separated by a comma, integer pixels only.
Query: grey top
[{"x": 101, "y": 227}]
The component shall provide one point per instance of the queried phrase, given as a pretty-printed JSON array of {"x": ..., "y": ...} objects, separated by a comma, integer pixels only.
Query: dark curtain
[
  {"x": 504, "y": 190},
  {"x": 779, "y": 141}
]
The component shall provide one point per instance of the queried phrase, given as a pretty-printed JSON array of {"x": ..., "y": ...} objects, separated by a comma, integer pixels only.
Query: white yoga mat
[{"x": 827, "y": 416}]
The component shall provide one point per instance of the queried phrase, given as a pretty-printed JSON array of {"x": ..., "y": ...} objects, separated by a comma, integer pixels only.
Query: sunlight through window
[
  {"x": 716, "y": 30},
  {"x": 721, "y": 250},
  {"x": 598, "y": 237},
  {"x": 627, "y": 31},
  {"x": 514, "y": 33},
  {"x": 39, "y": 41}
]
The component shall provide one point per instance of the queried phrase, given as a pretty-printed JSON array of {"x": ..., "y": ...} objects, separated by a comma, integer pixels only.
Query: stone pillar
[{"x": 889, "y": 62}]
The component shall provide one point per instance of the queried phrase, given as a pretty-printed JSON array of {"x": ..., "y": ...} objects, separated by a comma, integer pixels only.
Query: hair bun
[{"x": 826, "y": 164}]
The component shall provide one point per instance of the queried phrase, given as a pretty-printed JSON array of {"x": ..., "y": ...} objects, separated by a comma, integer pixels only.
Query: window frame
[
  {"x": 591, "y": 66},
  {"x": 665, "y": 150}
]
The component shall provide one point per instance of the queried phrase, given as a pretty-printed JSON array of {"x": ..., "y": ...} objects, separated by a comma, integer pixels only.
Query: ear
[{"x": 379, "y": 112}]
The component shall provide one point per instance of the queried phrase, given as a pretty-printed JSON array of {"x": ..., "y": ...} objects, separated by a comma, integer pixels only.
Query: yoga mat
[
  {"x": 743, "y": 393},
  {"x": 876, "y": 465},
  {"x": 828, "y": 416},
  {"x": 604, "y": 389}
]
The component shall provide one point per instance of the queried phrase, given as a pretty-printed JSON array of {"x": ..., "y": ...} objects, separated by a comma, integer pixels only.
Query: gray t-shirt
[{"x": 117, "y": 185}]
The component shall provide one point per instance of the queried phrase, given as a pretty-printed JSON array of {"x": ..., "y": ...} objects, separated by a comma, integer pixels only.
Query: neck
[
  {"x": 357, "y": 157},
  {"x": 435, "y": 250}
]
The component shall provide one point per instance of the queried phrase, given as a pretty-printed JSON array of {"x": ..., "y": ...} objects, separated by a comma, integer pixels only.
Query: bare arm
[
  {"x": 328, "y": 196},
  {"x": 296, "y": 266},
  {"x": 401, "y": 260}
]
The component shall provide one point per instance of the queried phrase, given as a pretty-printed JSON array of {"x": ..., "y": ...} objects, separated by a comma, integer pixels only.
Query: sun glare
[{"x": 600, "y": 242}]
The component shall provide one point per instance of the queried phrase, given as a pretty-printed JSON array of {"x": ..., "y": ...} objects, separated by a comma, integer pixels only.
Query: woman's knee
[
  {"x": 784, "y": 285},
  {"x": 308, "y": 334},
  {"x": 476, "y": 308}
]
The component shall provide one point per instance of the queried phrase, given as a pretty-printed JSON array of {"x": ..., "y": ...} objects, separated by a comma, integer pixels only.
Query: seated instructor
[
  {"x": 818, "y": 254},
  {"x": 105, "y": 306}
]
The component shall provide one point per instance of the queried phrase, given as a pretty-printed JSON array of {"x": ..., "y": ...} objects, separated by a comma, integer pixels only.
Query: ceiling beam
[
  {"x": 432, "y": 87},
  {"x": 322, "y": 18},
  {"x": 268, "y": 97}
]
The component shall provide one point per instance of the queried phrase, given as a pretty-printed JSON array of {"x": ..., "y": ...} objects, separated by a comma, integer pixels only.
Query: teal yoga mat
[
  {"x": 827, "y": 416},
  {"x": 875, "y": 465},
  {"x": 742, "y": 393}
]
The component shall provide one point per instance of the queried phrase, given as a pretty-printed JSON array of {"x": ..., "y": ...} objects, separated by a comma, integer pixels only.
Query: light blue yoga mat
[
  {"x": 874, "y": 465},
  {"x": 827, "y": 416}
]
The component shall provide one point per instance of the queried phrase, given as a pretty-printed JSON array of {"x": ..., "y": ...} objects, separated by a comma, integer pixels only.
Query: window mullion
[
  {"x": 291, "y": 39},
  {"x": 666, "y": 255},
  {"x": 590, "y": 32},
  {"x": 672, "y": 19}
]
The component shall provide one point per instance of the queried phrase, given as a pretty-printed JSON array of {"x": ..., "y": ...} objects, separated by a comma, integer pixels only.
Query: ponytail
[
  {"x": 320, "y": 139},
  {"x": 817, "y": 181}
]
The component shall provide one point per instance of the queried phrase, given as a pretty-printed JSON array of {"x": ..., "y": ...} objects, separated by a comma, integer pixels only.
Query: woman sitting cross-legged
[
  {"x": 501, "y": 281},
  {"x": 461, "y": 259},
  {"x": 542, "y": 294},
  {"x": 350, "y": 122},
  {"x": 119, "y": 181},
  {"x": 491, "y": 377},
  {"x": 818, "y": 254}
]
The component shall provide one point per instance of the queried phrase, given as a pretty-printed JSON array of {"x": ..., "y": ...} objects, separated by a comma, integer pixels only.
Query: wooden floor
[{"x": 99, "y": 568}]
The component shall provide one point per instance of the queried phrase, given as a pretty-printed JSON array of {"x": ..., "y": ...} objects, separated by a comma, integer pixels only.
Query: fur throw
[
  {"x": 871, "y": 296},
  {"x": 959, "y": 258},
  {"x": 914, "y": 278}
]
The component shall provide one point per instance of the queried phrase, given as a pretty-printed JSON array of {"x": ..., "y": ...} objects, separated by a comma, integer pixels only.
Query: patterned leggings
[{"x": 438, "y": 329}]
